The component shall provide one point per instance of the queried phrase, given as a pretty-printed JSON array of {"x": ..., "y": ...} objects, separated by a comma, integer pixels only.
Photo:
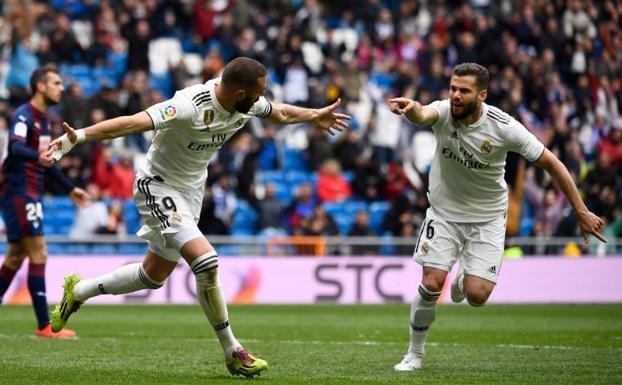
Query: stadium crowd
[{"x": 555, "y": 66}]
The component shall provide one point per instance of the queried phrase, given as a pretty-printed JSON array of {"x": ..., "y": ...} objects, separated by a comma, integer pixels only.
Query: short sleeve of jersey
[
  {"x": 521, "y": 141},
  {"x": 19, "y": 128},
  {"x": 442, "y": 107},
  {"x": 261, "y": 109},
  {"x": 167, "y": 114}
]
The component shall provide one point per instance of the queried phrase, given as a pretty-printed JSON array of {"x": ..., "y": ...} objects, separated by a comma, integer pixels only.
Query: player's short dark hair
[
  {"x": 243, "y": 71},
  {"x": 40, "y": 75},
  {"x": 473, "y": 69}
]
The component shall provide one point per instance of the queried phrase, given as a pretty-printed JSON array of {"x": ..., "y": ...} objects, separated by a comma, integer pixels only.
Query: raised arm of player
[
  {"x": 325, "y": 118},
  {"x": 588, "y": 222},
  {"x": 414, "y": 111},
  {"x": 108, "y": 129}
]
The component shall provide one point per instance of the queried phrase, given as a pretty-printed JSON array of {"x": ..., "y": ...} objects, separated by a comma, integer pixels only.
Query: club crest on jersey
[
  {"x": 168, "y": 112},
  {"x": 239, "y": 123},
  {"x": 208, "y": 116},
  {"x": 486, "y": 147}
]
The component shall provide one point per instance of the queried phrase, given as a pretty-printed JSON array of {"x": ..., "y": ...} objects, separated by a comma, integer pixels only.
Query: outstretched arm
[
  {"x": 108, "y": 129},
  {"x": 414, "y": 111},
  {"x": 325, "y": 117},
  {"x": 588, "y": 222}
]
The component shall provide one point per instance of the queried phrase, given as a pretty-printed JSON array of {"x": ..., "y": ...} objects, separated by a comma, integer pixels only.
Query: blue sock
[
  {"x": 6, "y": 276},
  {"x": 36, "y": 286}
]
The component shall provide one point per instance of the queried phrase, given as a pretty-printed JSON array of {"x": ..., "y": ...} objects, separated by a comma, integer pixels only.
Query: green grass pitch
[{"x": 322, "y": 344}]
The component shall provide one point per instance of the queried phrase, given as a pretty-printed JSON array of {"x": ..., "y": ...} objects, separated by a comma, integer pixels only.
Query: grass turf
[{"x": 322, "y": 344}]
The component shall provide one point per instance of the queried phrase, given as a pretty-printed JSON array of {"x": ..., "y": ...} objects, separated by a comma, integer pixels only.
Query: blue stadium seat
[
  {"x": 334, "y": 208},
  {"x": 54, "y": 248},
  {"x": 244, "y": 219},
  {"x": 351, "y": 207},
  {"x": 105, "y": 76},
  {"x": 382, "y": 80},
  {"x": 118, "y": 63},
  {"x": 48, "y": 229},
  {"x": 162, "y": 83},
  {"x": 228, "y": 250},
  {"x": 344, "y": 223},
  {"x": 75, "y": 249},
  {"x": 61, "y": 203},
  {"x": 265, "y": 177},
  {"x": 292, "y": 159},
  {"x": 527, "y": 217},
  {"x": 349, "y": 176},
  {"x": 377, "y": 212},
  {"x": 283, "y": 193},
  {"x": 131, "y": 216},
  {"x": 387, "y": 248},
  {"x": 296, "y": 177},
  {"x": 103, "y": 249},
  {"x": 132, "y": 249}
]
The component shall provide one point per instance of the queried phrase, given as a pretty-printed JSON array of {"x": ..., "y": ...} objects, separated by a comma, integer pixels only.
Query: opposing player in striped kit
[
  {"x": 190, "y": 128},
  {"x": 22, "y": 193}
]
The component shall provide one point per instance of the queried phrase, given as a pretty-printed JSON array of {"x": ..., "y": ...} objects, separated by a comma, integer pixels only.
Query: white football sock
[
  {"x": 422, "y": 314},
  {"x": 212, "y": 300},
  {"x": 126, "y": 279}
]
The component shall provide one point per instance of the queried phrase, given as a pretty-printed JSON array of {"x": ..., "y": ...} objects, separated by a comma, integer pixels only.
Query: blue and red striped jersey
[{"x": 25, "y": 176}]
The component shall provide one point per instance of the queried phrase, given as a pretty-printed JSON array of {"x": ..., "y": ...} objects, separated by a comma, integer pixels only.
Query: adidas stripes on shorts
[
  {"x": 441, "y": 244},
  {"x": 170, "y": 216}
]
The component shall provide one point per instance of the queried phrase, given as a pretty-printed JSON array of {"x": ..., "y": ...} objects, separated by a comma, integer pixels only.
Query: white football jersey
[
  {"x": 190, "y": 128},
  {"x": 466, "y": 178}
]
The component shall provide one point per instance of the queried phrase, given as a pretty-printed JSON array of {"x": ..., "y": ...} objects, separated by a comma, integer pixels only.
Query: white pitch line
[{"x": 339, "y": 343}]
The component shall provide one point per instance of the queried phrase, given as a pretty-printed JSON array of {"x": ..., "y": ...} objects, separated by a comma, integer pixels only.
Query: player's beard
[
  {"x": 467, "y": 109},
  {"x": 244, "y": 105},
  {"x": 49, "y": 101}
]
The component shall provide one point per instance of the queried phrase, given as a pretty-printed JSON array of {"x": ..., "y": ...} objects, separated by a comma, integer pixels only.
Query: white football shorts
[
  {"x": 170, "y": 216},
  {"x": 480, "y": 245}
]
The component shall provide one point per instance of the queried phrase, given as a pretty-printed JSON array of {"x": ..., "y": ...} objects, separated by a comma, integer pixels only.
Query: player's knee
[
  {"x": 205, "y": 268},
  {"x": 38, "y": 258},
  {"x": 477, "y": 298},
  {"x": 432, "y": 283},
  {"x": 155, "y": 273},
  {"x": 14, "y": 261}
]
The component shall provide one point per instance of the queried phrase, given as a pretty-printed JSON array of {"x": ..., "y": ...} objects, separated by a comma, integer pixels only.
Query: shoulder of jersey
[
  {"x": 498, "y": 116},
  {"x": 199, "y": 94},
  {"x": 22, "y": 113}
]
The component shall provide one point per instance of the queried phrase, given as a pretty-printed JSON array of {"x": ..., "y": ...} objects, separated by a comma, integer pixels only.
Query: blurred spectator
[
  {"x": 64, "y": 43},
  {"x": 407, "y": 231},
  {"x": 271, "y": 212},
  {"x": 361, "y": 229},
  {"x": 23, "y": 62},
  {"x": 224, "y": 200},
  {"x": 396, "y": 183},
  {"x": 320, "y": 148},
  {"x": 320, "y": 224},
  {"x": 301, "y": 207},
  {"x": 97, "y": 218},
  {"x": 208, "y": 222},
  {"x": 399, "y": 216},
  {"x": 548, "y": 204},
  {"x": 122, "y": 178},
  {"x": 268, "y": 158},
  {"x": 331, "y": 185},
  {"x": 612, "y": 146},
  {"x": 138, "y": 35}
]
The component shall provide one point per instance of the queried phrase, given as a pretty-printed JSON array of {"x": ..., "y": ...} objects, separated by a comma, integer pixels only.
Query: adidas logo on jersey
[
  {"x": 454, "y": 135},
  {"x": 493, "y": 269}
]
